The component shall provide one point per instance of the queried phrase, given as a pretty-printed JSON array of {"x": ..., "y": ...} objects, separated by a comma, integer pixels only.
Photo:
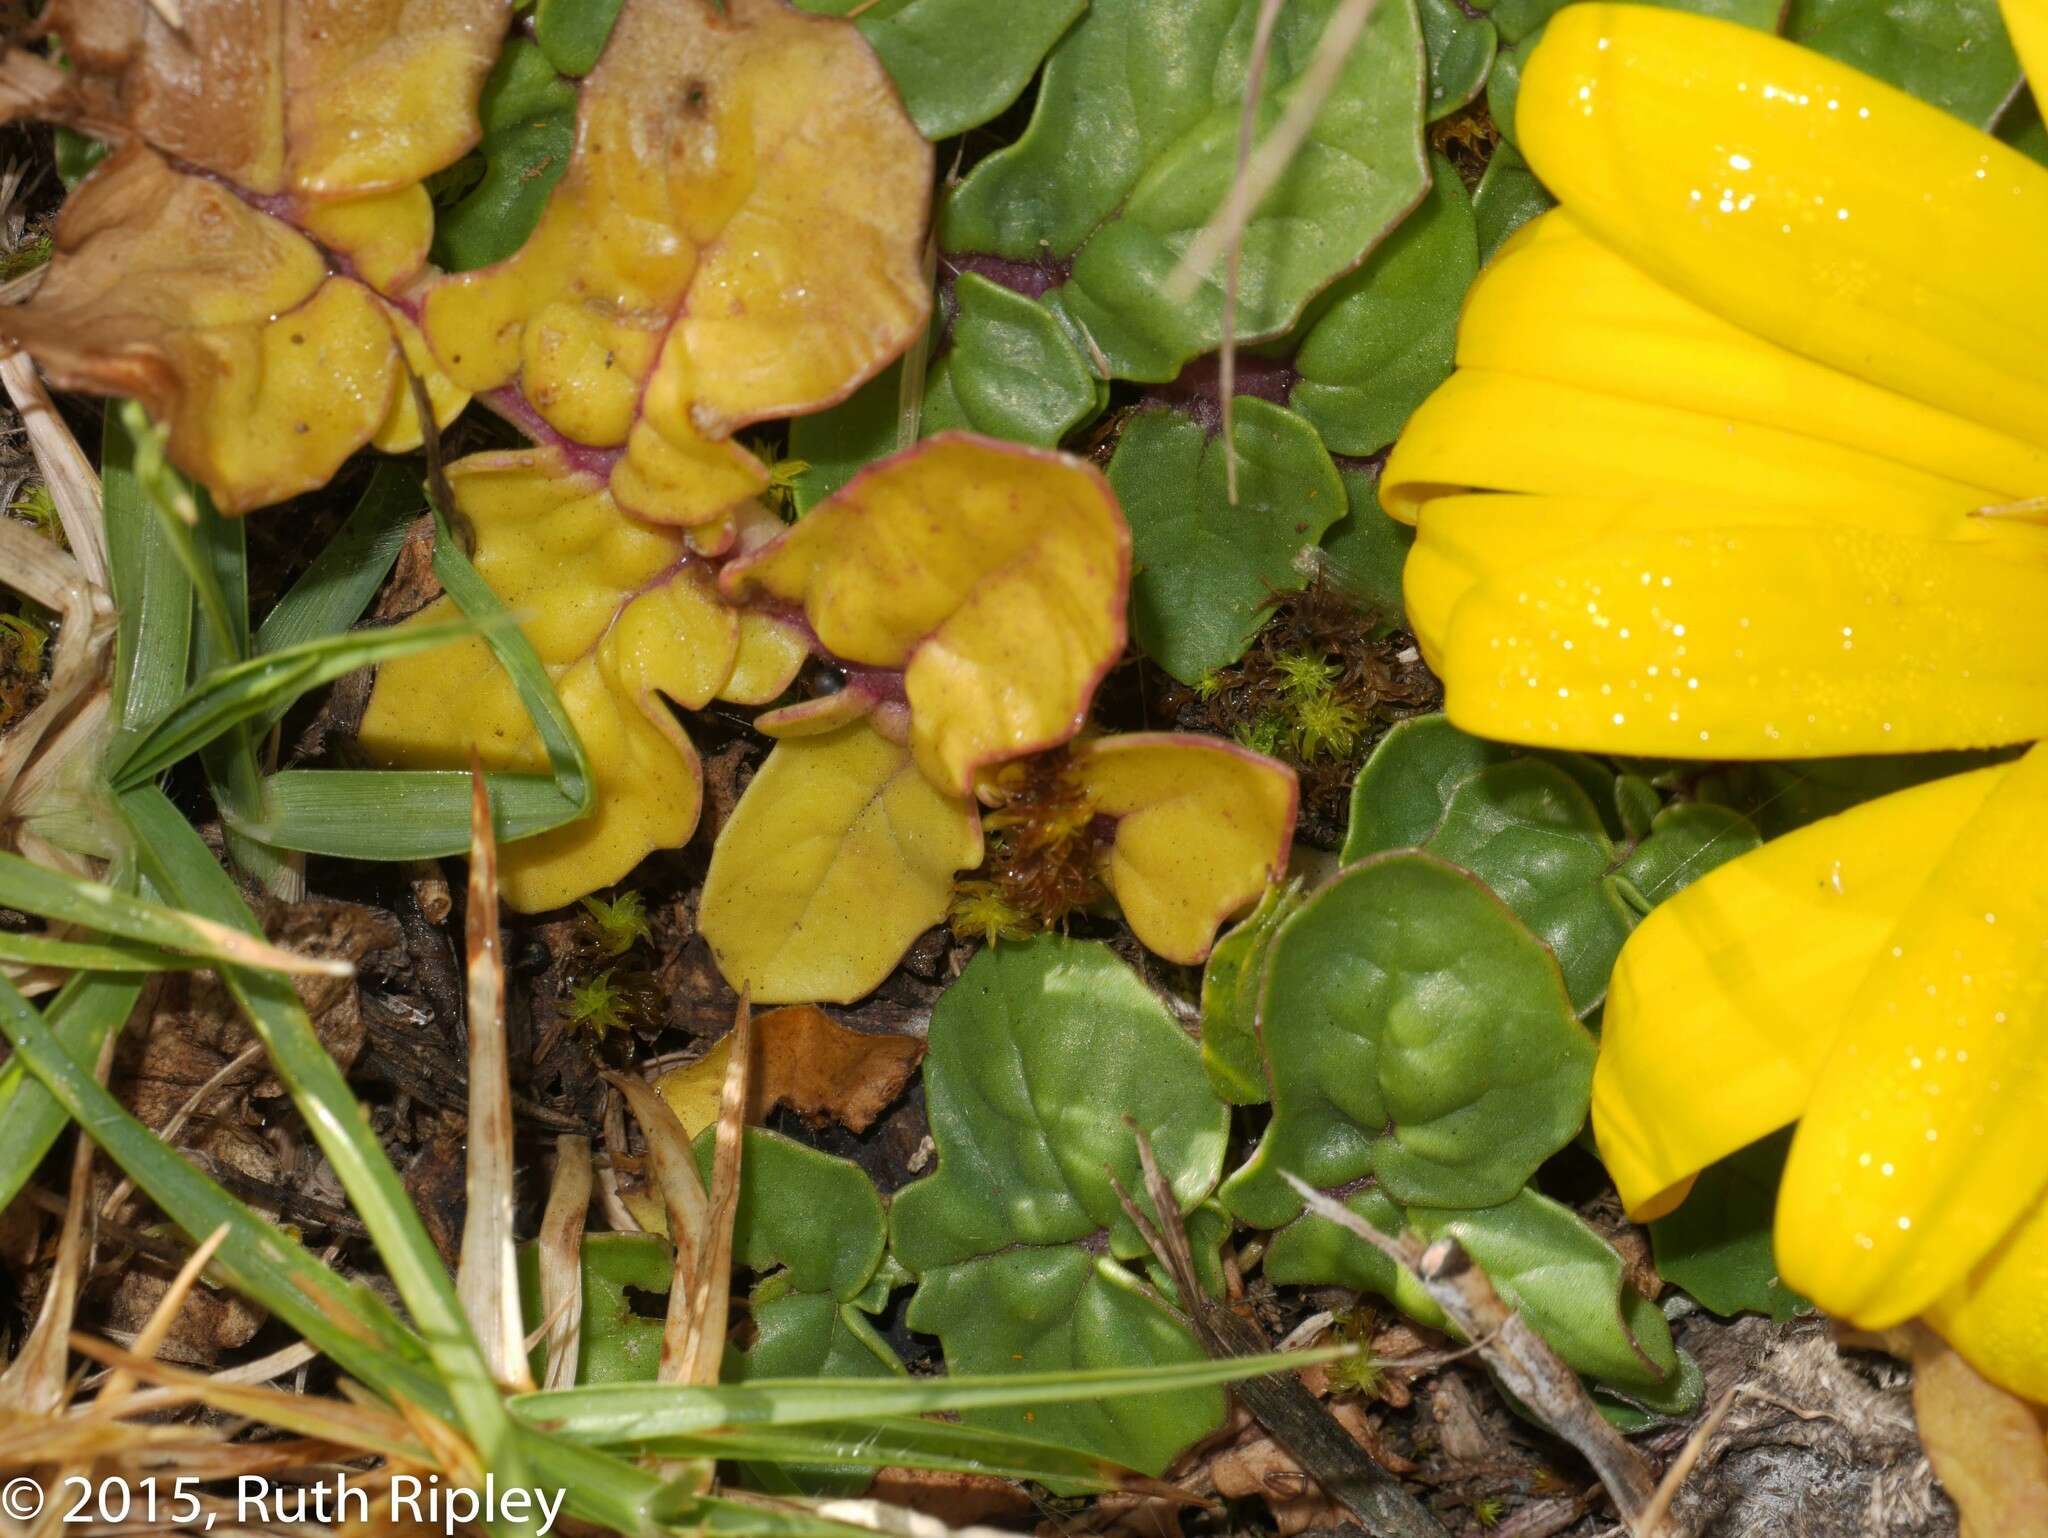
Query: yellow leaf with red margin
[
  {"x": 837, "y": 857},
  {"x": 993, "y": 575},
  {"x": 622, "y": 614},
  {"x": 738, "y": 236}
]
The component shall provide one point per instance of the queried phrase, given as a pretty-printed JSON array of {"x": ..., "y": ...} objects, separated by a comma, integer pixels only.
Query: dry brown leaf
[
  {"x": 807, "y": 1061},
  {"x": 1989, "y": 1447},
  {"x": 1260, "y": 1466}
]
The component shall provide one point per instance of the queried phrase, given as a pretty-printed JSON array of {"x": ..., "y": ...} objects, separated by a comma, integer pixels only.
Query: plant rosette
[{"x": 1677, "y": 501}]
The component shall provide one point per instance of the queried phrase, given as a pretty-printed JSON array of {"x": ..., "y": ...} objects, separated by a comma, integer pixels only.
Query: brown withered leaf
[
  {"x": 1990, "y": 1447},
  {"x": 807, "y": 1061}
]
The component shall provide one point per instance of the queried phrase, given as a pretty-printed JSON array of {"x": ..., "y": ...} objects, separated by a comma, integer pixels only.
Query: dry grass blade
[
  {"x": 689, "y": 1212},
  {"x": 1515, "y": 1354},
  {"x": 1340, "y": 34},
  {"x": 73, "y": 484},
  {"x": 561, "y": 1259},
  {"x": 169, "y": 1133},
  {"x": 487, "y": 1277},
  {"x": 1247, "y": 123},
  {"x": 34, "y": 1380},
  {"x": 39, "y": 570},
  {"x": 705, "y": 1347},
  {"x": 157, "y": 1328},
  {"x": 616, "y": 1212}
]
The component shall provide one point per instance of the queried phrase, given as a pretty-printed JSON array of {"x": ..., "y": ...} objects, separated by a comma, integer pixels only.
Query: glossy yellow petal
[
  {"x": 739, "y": 235},
  {"x": 839, "y": 855},
  {"x": 1202, "y": 828},
  {"x": 771, "y": 654},
  {"x": 1556, "y": 304},
  {"x": 678, "y": 636},
  {"x": 399, "y": 432},
  {"x": 1747, "y": 641},
  {"x": 2027, "y": 21},
  {"x": 1803, "y": 201},
  {"x": 1926, "y": 1139},
  {"x": 1489, "y": 430},
  {"x": 992, "y": 574},
  {"x": 384, "y": 236},
  {"x": 1728, "y": 999},
  {"x": 1994, "y": 1315}
]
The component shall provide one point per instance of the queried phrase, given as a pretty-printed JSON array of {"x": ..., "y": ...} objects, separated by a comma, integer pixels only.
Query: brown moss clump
[{"x": 1041, "y": 863}]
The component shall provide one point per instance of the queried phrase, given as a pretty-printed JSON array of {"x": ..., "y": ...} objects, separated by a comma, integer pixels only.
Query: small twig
[{"x": 1516, "y": 1355}]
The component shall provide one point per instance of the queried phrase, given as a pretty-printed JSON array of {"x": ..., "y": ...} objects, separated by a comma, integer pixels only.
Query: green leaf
[
  {"x": 1953, "y": 53},
  {"x": 837, "y": 443},
  {"x": 2024, "y": 130},
  {"x": 1313, "y": 1251},
  {"x": 1504, "y": 85},
  {"x": 1717, "y": 1245},
  {"x": 572, "y": 33},
  {"x": 1684, "y": 843},
  {"x": 76, "y": 155},
  {"x": 957, "y": 62},
  {"x": 85, "y": 1011},
  {"x": 528, "y": 112},
  {"x": 1637, "y": 802},
  {"x": 1365, "y": 549},
  {"x": 1203, "y": 569},
  {"x": 1038, "y": 1054},
  {"x": 617, "y": 1343},
  {"x": 1508, "y": 197},
  {"x": 151, "y": 588},
  {"x": 1418, "y": 1033},
  {"x": 1528, "y": 831},
  {"x": 1132, "y": 148},
  {"x": 1387, "y": 337},
  {"x": 1009, "y": 371},
  {"x": 1461, "y": 49},
  {"x": 1780, "y": 797},
  {"x": 1230, "y": 998},
  {"x": 333, "y": 593}
]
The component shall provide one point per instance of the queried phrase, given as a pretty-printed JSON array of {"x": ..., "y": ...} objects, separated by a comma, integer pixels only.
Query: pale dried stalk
[
  {"x": 487, "y": 1276},
  {"x": 37, "y": 569},
  {"x": 1247, "y": 123},
  {"x": 1514, "y": 1353},
  {"x": 1345, "y": 26},
  {"x": 73, "y": 484},
  {"x": 674, "y": 1169},
  {"x": 34, "y": 1381},
  {"x": 157, "y": 1329},
  {"x": 616, "y": 1212},
  {"x": 561, "y": 1259},
  {"x": 705, "y": 1347}
]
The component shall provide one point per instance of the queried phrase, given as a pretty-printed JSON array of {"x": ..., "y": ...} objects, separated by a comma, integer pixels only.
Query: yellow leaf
[
  {"x": 621, "y": 614},
  {"x": 385, "y": 235},
  {"x": 1728, "y": 999},
  {"x": 1802, "y": 200},
  {"x": 399, "y": 432},
  {"x": 1926, "y": 1141},
  {"x": 992, "y": 574},
  {"x": 1202, "y": 827},
  {"x": 837, "y": 857},
  {"x": 738, "y": 236}
]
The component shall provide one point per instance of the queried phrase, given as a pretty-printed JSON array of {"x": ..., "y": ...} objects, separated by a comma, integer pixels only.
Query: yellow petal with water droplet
[
  {"x": 1728, "y": 999},
  {"x": 992, "y": 574},
  {"x": 1926, "y": 1140},
  {"x": 1758, "y": 641},
  {"x": 838, "y": 856},
  {"x": 1557, "y": 304},
  {"x": 1202, "y": 828},
  {"x": 1994, "y": 1315},
  {"x": 1801, "y": 200}
]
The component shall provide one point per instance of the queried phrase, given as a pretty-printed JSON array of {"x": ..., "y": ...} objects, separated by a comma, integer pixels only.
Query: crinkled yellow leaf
[
  {"x": 384, "y": 236},
  {"x": 738, "y": 236},
  {"x": 1994, "y": 1315},
  {"x": 1556, "y": 305},
  {"x": 1729, "y": 998},
  {"x": 399, "y": 432},
  {"x": 1802, "y": 200},
  {"x": 1926, "y": 1139},
  {"x": 309, "y": 96},
  {"x": 991, "y": 573},
  {"x": 1742, "y": 639},
  {"x": 266, "y": 372},
  {"x": 771, "y": 653},
  {"x": 1486, "y": 429},
  {"x": 838, "y": 856},
  {"x": 1202, "y": 827},
  {"x": 815, "y": 716},
  {"x": 622, "y": 615}
]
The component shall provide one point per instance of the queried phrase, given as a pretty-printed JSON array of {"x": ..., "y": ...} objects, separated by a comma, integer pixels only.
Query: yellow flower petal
[
  {"x": 2027, "y": 21},
  {"x": 838, "y": 856},
  {"x": 992, "y": 574},
  {"x": 1557, "y": 304},
  {"x": 1754, "y": 641},
  {"x": 1801, "y": 200},
  {"x": 1728, "y": 999},
  {"x": 1202, "y": 827},
  {"x": 1488, "y": 430},
  {"x": 1927, "y": 1136},
  {"x": 1994, "y": 1316}
]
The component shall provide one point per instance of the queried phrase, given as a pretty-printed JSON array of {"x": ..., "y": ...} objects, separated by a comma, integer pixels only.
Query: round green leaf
[
  {"x": 1037, "y": 1054},
  {"x": 1132, "y": 147},
  {"x": 1461, "y": 48},
  {"x": 619, "y": 1343},
  {"x": 837, "y": 443},
  {"x": 1418, "y": 1033},
  {"x": 1008, "y": 371},
  {"x": 1684, "y": 843},
  {"x": 1365, "y": 549},
  {"x": 785, "y": 1191},
  {"x": 1386, "y": 339},
  {"x": 1953, "y": 53},
  {"x": 1717, "y": 1245},
  {"x": 1203, "y": 569},
  {"x": 1508, "y": 197},
  {"x": 1230, "y": 1000},
  {"x": 528, "y": 113},
  {"x": 1312, "y": 1251},
  {"x": 957, "y": 62},
  {"x": 572, "y": 33}
]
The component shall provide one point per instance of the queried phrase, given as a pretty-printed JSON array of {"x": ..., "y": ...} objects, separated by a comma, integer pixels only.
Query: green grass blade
[
  {"x": 83, "y": 1014},
  {"x": 174, "y": 856},
  {"x": 630, "y": 1414},
  {"x": 93, "y": 905},
  {"x": 152, "y": 593},
  {"x": 92, "y": 955},
  {"x": 333, "y": 593},
  {"x": 247, "y": 693}
]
